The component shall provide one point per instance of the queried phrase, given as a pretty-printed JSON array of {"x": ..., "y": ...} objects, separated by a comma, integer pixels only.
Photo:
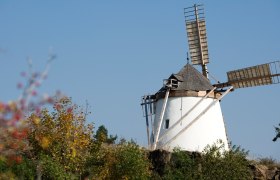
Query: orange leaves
[
  {"x": 20, "y": 134},
  {"x": 36, "y": 120},
  {"x": 1, "y": 147},
  {"x": 44, "y": 142},
  {"x": 57, "y": 107},
  {"x": 12, "y": 106},
  {"x": 15, "y": 159}
]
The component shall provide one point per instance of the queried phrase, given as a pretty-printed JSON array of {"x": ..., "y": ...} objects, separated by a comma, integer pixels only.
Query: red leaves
[
  {"x": 15, "y": 159},
  {"x": 19, "y": 134},
  {"x": 2, "y": 107},
  {"x": 13, "y": 129},
  {"x": 18, "y": 159},
  {"x": 17, "y": 116},
  {"x": 69, "y": 110},
  {"x": 57, "y": 106},
  {"x": 14, "y": 146}
]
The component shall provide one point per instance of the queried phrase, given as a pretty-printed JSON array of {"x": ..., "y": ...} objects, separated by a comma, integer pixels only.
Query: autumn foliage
[
  {"x": 48, "y": 137},
  {"x": 62, "y": 134},
  {"x": 13, "y": 115}
]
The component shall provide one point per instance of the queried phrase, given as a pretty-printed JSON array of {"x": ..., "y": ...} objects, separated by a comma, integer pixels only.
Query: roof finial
[{"x": 188, "y": 60}]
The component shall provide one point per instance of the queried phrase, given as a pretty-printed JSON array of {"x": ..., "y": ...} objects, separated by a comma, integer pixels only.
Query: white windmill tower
[{"x": 186, "y": 111}]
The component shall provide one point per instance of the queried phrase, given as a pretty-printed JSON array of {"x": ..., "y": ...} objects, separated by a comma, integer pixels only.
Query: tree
[
  {"x": 62, "y": 135},
  {"x": 102, "y": 136},
  {"x": 277, "y": 130}
]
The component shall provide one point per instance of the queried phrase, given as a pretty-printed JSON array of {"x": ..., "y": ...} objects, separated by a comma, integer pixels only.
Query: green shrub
[
  {"x": 182, "y": 165},
  {"x": 123, "y": 161},
  {"x": 217, "y": 163},
  {"x": 26, "y": 169},
  {"x": 214, "y": 163},
  {"x": 23, "y": 168},
  {"x": 52, "y": 169},
  {"x": 131, "y": 162}
]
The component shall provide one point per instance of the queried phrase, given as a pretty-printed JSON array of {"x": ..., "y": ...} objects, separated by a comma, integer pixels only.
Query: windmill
[{"x": 186, "y": 111}]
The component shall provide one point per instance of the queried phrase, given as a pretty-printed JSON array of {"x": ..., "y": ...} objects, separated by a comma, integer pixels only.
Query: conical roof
[{"x": 191, "y": 79}]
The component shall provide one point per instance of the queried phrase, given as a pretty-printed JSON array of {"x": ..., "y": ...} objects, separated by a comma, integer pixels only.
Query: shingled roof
[{"x": 191, "y": 79}]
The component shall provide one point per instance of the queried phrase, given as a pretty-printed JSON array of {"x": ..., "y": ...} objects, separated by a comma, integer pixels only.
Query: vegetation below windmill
[
  {"x": 211, "y": 164},
  {"x": 63, "y": 146}
]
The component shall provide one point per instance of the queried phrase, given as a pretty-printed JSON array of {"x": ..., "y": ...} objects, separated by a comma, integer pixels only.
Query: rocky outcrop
[
  {"x": 159, "y": 159},
  {"x": 262, "y": 172}
]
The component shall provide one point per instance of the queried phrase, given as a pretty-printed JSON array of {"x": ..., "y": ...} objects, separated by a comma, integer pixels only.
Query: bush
[
  {"x": 220, "y": 164},
  {"x": 26, "y": 169},
  {"x": 17, "y": 166},
  {"x": 182, "y": 165},
  {"x": 52, "y": 169},
  {"x": 132, "y": 162},
  {"x": 213, "y": 163},
  {"x": 122, "y": 161}
]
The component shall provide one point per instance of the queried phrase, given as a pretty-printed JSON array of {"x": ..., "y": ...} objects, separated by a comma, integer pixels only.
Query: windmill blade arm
[{"x": 222, "y": 85}]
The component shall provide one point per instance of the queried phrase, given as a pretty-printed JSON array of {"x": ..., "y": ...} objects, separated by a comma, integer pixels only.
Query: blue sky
[{"x": 110, "y": 53}]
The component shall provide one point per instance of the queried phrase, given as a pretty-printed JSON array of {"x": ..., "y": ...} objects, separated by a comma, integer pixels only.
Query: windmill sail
[
  {"x": 258, "y": 75},
  {"x": 197, "y": 42},
  {"x": 197, "y": 39}
]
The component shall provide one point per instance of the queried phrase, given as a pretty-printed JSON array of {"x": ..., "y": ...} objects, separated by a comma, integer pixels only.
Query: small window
[
  {"x": 166, "y": 123},
  {"x": 153, "y": 138}
]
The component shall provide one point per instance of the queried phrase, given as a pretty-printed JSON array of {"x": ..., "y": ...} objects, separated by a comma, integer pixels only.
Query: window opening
[{"x": 166, "y": 123}]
